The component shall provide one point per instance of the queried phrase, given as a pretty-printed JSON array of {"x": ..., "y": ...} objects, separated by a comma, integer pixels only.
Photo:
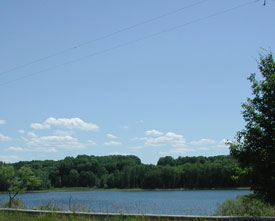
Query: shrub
[
  {"x": 15, "y": 203},
  {"x": 245, "y": 205}
]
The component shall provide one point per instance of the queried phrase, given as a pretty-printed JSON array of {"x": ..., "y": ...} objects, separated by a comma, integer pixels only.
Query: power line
[
  {"x": 133, "y": 41},
  {"x": 102, "y": 37}
]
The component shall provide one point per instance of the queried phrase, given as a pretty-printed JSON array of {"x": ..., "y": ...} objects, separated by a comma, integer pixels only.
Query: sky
[{"x": 148, "y": 78}]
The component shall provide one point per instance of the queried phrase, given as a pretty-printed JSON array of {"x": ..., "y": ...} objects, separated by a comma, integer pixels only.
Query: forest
[{"x": 128, "y": 172}]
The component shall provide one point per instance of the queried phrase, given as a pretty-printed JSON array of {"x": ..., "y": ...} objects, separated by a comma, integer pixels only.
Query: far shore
[{"x": 76, "y": 189}]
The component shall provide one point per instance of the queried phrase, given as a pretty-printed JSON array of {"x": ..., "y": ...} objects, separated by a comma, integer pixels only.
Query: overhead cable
[
  {"x": 102, "y": 37},
  {"x": 132, "y": 41}
]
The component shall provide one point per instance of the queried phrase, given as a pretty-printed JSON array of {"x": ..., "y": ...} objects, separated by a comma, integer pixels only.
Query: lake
[{"x": 174, "y": 202}]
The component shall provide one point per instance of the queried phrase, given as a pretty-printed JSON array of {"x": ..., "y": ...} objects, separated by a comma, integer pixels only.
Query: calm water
[{"x": 185, "y": 202}]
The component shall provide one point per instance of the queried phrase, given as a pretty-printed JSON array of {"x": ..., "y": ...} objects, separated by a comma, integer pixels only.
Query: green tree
[
  {"x": 166, "y": 161},
  {"x": 73, "y": 178},
  {"x": 254, "y": 146},
  {"x": 18, "y": 182},
  {"x": 87, "y": 179}
]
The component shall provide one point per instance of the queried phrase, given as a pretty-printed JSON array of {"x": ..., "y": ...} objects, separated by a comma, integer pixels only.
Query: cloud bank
[
  {"x": 65, "y": 123},
  {"x": 4, "y": 138},
  {"x": 156, "y": 138}
]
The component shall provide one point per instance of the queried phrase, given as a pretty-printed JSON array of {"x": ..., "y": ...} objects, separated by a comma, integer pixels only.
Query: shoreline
[{"x": 82, "y": 189}]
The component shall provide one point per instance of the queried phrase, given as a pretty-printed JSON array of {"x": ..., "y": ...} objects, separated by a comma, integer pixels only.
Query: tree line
[
  {"x": 128, "y": 172},
  {"x": 253, "y": 164}
]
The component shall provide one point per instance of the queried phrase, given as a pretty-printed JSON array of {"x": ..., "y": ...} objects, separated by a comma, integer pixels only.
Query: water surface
[{"x": 176, "y": 202}]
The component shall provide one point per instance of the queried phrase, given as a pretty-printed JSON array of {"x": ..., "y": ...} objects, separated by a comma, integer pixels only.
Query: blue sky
[{"x": 178, "y": 93}]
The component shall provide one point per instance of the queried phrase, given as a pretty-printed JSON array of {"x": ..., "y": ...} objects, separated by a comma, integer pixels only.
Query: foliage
[
  {"x": 4, "y": 216},
  {"x": 15, "y": 203},
  {"x": 129, "y": 172},
  {"x": 18, "y": 182},
  {"x": 50, "y": 205},
  {"x": 245, "y": 205},
  {"x": 254, "y": 146}
]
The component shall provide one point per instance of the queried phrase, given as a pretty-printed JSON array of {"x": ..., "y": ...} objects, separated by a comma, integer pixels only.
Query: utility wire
[
  {"x": 133, "y": 41},
  {"x": 102, "y": 37}
]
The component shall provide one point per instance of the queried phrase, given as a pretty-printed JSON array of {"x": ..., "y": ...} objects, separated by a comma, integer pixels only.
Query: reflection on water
[{"x": 178, "y": 202}]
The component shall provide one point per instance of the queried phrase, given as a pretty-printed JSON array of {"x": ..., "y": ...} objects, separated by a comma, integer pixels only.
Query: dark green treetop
[
  {"x": 18, "y": 182},
  {"x": 254, "y": 146}
]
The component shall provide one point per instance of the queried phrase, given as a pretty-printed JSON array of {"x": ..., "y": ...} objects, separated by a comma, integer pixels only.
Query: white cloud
[
  {"x": 31, "y": 134},
  {"x": 24, "y": 138},
  {"x": 4, "y": 138},
  {"x": 91, "y": 143},
  {"x": 182, "y": 150},
  {"x": 203, "y": 148},
  {"x": 9, "y": 158},
  {"x": 178, "y": 144},
  {"x": 53, "y": 143},
  {"x": 203, "y": 141},
  {"x": 118, "y": 153},
  {"x": 223, "y": 141},
  {"x": 172, "y": 139},
  {"x": 2, "y": 122},
  {"x": 66, "y": 123},
  {"x": 153, "y": 133},
  {"x": 111, "y": 136},
  {"x": 71, "y": 123},
  {"x": 38, "y": 126},
  {"x": 21, "y": 131},
  {"x": 163, "y": 153},
  {"x": 140, "y": 121},
  {"x": 19, "y": 149},
  {"x": 177, "y": 151},
  {"x": 136, "y": 147},
  {"x": 222, "y": 144},
  {"x": 112, "y": 143},
  {"x": 169, "y": 139},
  {"x": 63, "y": 133}
]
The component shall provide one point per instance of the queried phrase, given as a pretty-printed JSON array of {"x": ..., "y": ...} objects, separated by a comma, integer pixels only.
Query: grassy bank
[
  {"x": 245, "y": 205},
  {"x": 7, "y": 216},
  {"x": 75, "y": 189}
]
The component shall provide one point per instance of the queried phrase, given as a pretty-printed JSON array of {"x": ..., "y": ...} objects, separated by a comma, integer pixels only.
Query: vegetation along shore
[
  {"x": 128, "y": 172},
  {"x": 251, "y": 163}
]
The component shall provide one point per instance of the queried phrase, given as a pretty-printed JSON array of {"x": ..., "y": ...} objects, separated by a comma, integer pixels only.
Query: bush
[
  {"x": 50, "y": 205},
  {"x": 15, "y": 203},
  {"x": 245, "y": 205}
]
